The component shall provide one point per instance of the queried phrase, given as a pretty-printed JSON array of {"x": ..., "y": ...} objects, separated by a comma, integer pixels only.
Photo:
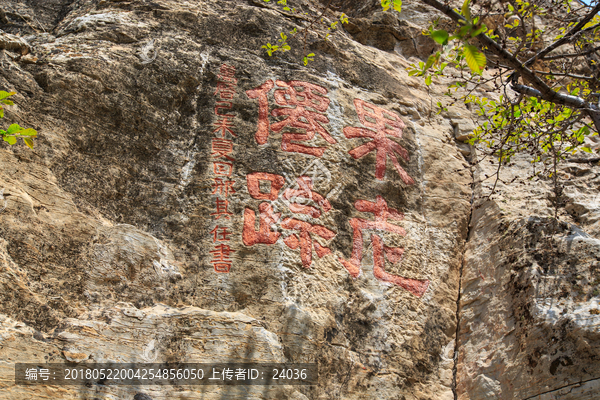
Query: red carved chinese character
[
  {"x": 221, "y": 261},
  {"x": 276, "y": 181},
  {"x": 221, "y": 206},
  {"x": 304, "y": 104},
  {"x": 224, "y": 125},
  {"x": 222, "y": 168},
  {"x": 267, "y": 218},
  {"x": 223, "y": 187},
  {"x": 222, "y": 147},
  {"x": 227, "y": 73},
  {"x": 309, "y": 103},
  {"x": 221, "y": 234},
  {"x": 225, "y": 90},
  {"x": 305, "y": 241},
  {"x": 382, "y": 213},
  {"x": 379, "y": 123},
  {"x": 306, "y": 191},
  {"x": 226, "y": 105},
  {"x": 260, "y": 93}
]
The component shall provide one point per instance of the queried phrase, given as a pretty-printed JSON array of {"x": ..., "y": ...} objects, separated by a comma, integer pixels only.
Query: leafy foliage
[
  {"x": 284, "y": 46},
  {"x": 14, "y": 131},
  {"x": 396, "y": 4},
  {"x": 545, "y": 75}
]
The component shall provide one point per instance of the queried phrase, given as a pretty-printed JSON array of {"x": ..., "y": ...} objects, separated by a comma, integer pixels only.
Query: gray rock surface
[{"x": 109, "y": 236}]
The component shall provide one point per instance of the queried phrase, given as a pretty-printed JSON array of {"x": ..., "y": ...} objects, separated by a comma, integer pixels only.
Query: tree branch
[
  {"x": 559, "y": 56},
  {"x": 566, "y": 38},
  {"x": 540, "y": 89},
  {"x": 587, "y": 78}
]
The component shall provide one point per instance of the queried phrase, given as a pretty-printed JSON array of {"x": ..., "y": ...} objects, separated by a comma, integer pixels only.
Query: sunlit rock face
[{"x": 191, "y": 199}]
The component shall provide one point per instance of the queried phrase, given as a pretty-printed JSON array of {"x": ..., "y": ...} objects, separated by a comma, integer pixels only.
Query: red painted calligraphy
[
  {"x": 222, "y": 168},
  {"x": 224, "y": 125},
  {"x": 253, "y": 180},
  {"x": 223, "y": 105},
  {"x": 306, "y": 191},
  {"x": 222, "y": 149},
  {"x": 303, "y": 104},
  {"x": 225, "y": 90},
  {"x": 382, "y": 213},
  {"x": 305, "y": 241},
  {"x": 379, "y": 124},
  {"x": 221, "y": 209},
  {"x": 227, "y": 74},
  {"x": 268, "y": 219},
  {"x": 221, "y": 234},
  {"x": 221, "y": 261},
  {"x": 226, "y": 82},
  {"x": 260, "y": 93},
  {"x": 223, "y": 187}
]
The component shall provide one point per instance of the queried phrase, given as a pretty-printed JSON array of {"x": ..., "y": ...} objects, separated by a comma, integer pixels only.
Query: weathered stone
[{"x": 112, "y": 246}]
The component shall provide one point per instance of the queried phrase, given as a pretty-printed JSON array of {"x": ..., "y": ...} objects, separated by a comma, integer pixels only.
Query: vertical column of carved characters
[{"x": 222, "y": 147}]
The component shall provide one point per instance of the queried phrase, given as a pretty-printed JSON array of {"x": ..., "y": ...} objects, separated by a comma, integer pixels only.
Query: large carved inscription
[
  {"x": 303, "y": 105},
  {"x": 269, "y": 221},
  {"x": 299, "y": 114}
]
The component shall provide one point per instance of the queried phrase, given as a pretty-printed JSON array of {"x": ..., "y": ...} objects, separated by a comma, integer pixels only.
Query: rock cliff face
[{"x": 192, "y": 196}]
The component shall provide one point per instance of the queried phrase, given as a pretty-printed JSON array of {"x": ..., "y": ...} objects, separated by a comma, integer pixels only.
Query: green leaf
[
  {"x": 586, "y": 149},
  {"x": 1, "y": 112},
  {"x": 29, "y": 132},
  {"x": 10, "y": 139},
  {"x": 14, "y": 128},
  {"x": 386, "y": 4},
  {"x": 431, "y": 60},
  {"x": 463, "y": 31},
  {"x": 308, "y": 58},
  {"x": 440, "y": 37},
  {"x": 4, "y": 94},
  {"x": 398, "y": 5},
  {"x": 465, "y": 11},
  {"x": 28, "y": 142},
  {"x": 475, "y": 59},
  {"x": 479, "y": 31},
  {"x": 428, "y": 80}
]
